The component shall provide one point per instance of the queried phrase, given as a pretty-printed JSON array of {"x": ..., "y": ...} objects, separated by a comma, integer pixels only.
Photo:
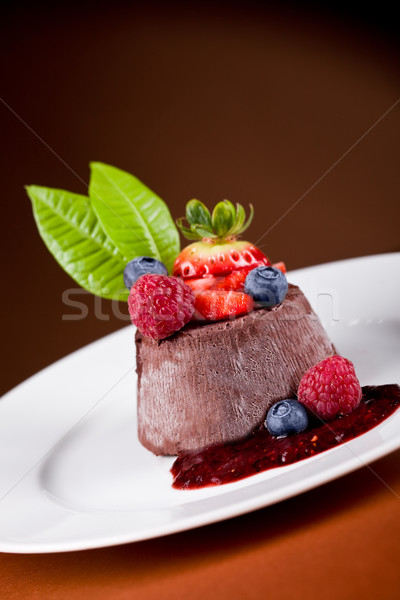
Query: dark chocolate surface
[{"x": 213, "y": 383}]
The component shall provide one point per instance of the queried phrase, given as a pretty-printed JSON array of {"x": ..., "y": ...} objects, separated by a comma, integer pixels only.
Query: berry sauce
[{"x": 225, "y": 463}]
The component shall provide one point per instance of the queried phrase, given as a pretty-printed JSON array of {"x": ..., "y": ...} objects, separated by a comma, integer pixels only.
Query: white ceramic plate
[{"x": 73, "y": 475}]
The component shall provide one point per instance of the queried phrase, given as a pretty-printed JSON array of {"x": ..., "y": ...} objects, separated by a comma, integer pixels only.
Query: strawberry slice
[
  {"x": 200, "y": 284},
  {"x": 216, "y": 305},
  {"x": 234, "y": 281},
  {"x": 280, "y": 265}
]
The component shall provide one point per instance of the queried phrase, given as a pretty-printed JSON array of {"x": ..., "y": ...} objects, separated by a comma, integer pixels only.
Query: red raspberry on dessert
[
  {"x": 160, "y": 305},
  {"x": 330, "y": 388}
]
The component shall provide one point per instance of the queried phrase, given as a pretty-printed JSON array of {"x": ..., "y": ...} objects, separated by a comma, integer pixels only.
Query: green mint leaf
[
  {"x": 71, "y": 231},
  {"x": 135, "y": 220}
]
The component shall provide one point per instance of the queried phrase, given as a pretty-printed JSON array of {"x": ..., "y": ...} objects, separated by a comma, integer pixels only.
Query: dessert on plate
[
  {"x": 235, "y": 372},
  {"x": 247, "y": 340},
  {"x": 214, "y": 382}
]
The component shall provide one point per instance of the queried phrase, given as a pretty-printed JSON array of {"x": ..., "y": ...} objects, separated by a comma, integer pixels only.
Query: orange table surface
[{"x": 338, "y": 541}]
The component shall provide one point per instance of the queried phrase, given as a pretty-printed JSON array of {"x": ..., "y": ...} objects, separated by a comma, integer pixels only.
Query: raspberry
[
  {"x": 330, "y": 388},
  {"x": 160, "y": 305}
]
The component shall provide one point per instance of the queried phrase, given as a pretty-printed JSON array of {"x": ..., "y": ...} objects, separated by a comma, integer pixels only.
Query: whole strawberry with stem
[{"x": 216, "y": 251}]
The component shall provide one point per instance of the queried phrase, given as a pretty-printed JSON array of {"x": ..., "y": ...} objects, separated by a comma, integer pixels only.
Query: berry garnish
[
  {"x": 200, "y": 284},
  {"x": 286, "y": 417},
  {"x": 330, "y": 388},
  {"x": 216, "y": 251},
  {"x": 141, "y": 266},
  {"x": 216, "y": 305},
  {"x": 211, "y": 258},
  {"x": 217, "y": 261},
  {"x": 267, "y": 285},
  {"x": 160, "y": 305},
  {"x": 234, "y": 281}
]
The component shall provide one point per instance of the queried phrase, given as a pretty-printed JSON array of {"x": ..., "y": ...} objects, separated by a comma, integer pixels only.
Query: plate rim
[{"x": 236, "y": 508}]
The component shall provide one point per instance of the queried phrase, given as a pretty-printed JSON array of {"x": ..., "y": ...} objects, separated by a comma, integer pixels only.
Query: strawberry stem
[{"x": 226, "y": 222}]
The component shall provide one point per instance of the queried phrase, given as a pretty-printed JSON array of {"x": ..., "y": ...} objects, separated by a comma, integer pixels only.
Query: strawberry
[
  {"x": 216, "y": 305},
  {"x": 211, "y": 258},
  {"x": 234, "y": 281},
  {"x": 200, "y": 284},
  {"x": 281, "y": 266},
  {"x": 216, "y": 265},
  {"x": 216, "y": 251}
]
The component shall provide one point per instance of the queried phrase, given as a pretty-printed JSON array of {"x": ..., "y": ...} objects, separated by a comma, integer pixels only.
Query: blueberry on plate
[
  {"x": 266, "y": 285},
  {"x": 141, "y": 266},
  {"x": 286, "y": 417}
]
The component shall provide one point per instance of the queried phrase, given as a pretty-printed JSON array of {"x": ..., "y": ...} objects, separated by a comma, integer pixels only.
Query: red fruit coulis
[{"x": 225, "y": 463}]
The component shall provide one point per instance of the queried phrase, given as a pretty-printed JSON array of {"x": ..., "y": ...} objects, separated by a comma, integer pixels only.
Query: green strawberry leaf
[
  {"x": 223, "y": 217},
  {"x": 136, "y": 221},
  {"x": 246, "y": 225},
  {"x": 198, "y": 214},
  {"x": 202, "y": 232},
  {"x": 72, "y": 233},
  {"x": 239, "y": 221},
  {"x": 188, "y": 233}
]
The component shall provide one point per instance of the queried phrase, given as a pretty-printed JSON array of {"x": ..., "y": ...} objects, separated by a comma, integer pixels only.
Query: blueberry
[
  {"x": 266, "y": 285},
  {"x": 286, "y": 417},
  {"x": 140, "y": 266}
]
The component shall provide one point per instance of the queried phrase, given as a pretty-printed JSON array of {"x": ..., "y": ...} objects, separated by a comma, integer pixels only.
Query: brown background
[{"x": 283, "y": 108}]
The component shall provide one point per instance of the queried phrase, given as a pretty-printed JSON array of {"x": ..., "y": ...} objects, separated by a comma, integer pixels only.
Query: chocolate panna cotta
[
  {"x": 213, "y": 380},
  {"x": 213, "y": 383}
]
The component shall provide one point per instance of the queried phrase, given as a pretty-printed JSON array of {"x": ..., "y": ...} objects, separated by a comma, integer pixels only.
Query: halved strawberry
[
  {"x": 211, "y": 258},
  {"x": 216, "y": 305},
  {"x": 217, "y": 252}
]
